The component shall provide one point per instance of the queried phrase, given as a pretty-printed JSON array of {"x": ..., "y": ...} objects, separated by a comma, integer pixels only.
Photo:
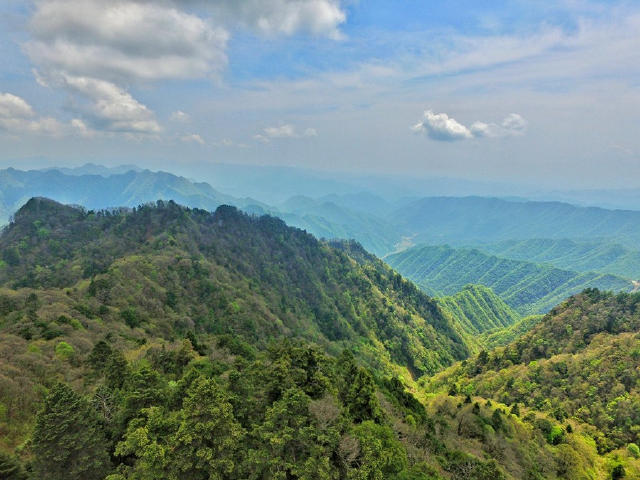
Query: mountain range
[
  {"x": 528, "y": 287},
  {"x": 128, "y": 335}
]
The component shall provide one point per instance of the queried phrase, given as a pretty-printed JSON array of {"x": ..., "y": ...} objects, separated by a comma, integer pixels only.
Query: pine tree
[
  {"x": 68, "y": 442},
  {"x": 10, "y": 468}
]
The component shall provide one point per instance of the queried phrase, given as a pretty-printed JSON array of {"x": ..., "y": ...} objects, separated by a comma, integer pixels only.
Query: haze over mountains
[{"x": 572, "y": 242}]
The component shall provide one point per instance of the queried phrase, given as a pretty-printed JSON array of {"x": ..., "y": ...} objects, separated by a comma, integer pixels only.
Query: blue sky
[{"x": 530, "y": 91}]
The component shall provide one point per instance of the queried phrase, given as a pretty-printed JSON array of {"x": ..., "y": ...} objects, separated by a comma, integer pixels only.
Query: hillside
[
  {"x": 127, "y": 337},
  {"x": 580, "y": 363},
  {"x": 166, "y": 272},
  {"x": 478, "y": 220},
  {"x": 527, "y": 287},
  {"x": 582, "y": 256},
  {"x": 477, "y": 309}
]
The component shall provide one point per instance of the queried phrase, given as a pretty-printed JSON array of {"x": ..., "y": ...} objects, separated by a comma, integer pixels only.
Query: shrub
[{"x": 64, "y": 351}]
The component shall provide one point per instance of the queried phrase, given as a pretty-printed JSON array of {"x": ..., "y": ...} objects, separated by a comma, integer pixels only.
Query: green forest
[
  {"x": 165, "y": 342},
  {"x": 527, "y": 287}
]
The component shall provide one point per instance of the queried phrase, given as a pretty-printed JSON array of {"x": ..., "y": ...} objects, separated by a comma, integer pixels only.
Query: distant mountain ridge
[
  {"x": 527, "y": 287},
  {"x": 95, "y": 191},
  {"x": 477, "y": 220},
  {"x": 95, "y": 169},
  {"x": 571, "y": 255}
]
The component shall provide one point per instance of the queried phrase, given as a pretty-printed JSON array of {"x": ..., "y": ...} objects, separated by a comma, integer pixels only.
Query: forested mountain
[
  {"x": 580, "y": 363},
  {"x": 167, "y": 342},
  {"x": 477, "y": 220},
  {"x": 527, "y": 287},
  {"x": 258, "y": 278},
  {"x": 584, "y": 256},
  {"x": 375, "y": 222},
  {"x": 477, "y": 309}
]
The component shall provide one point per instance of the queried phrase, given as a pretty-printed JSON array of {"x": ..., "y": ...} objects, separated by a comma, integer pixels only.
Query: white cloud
[
  {"x": 80, "y": 127},
  {"x": 192, "y": 138},
  {"x": 12, "y": 106},
  {"x": 17, "y": 116},
  {"x": 110, "y": 107},
  {"x": 124, "y": 40},
  {"x": 179, "y": 116},
  {"x": 285, "y": 17},
  {"x": 96, "y": 49},
  {"x": 441, "y": 127},
  {"x": 514, "y": 123},
  {"x": 284, "y": 131}
]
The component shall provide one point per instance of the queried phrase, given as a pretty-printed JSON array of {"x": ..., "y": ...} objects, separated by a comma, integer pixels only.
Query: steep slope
[
  {"x": 128, "y": 338},
  {"x": 226, "y": 272},
  {"x": 585, "y": 256},
  {"x": 478, "y": 309},
  {"x": 500, "y": 337},
  {"x": 477, "y": 220},
  {"x": 527, "y": 287},
  {"x": 580, "y": 362}
]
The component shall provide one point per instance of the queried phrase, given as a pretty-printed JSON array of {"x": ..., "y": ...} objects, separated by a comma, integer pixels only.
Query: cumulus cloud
[
  {"x": 109, "y": 107},
  {"x": 192, "y": 138},
  {"x": 124, "y": 40},
  {"x": 441, "y": 127},
  {"x": 17, "y": 116},
  {"x": 286, "y": 17},
  {"x": 96, "y": 49},
  {"x": 99, "y": 49},
  {"x": 284, "y": 131}
]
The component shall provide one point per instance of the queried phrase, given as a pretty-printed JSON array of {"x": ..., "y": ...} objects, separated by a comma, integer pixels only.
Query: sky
[{"x": 526, "y": 91}]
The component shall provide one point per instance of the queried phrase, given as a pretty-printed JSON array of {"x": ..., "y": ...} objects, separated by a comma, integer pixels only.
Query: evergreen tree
[
  {"x": 10, "y": 468},
  {"x": 68, "y": 442}
]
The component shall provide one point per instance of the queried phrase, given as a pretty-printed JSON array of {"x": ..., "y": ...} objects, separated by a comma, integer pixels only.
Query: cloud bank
[
  {"x": 441, "y": 127},
  {"x": 97, "y": 50}
]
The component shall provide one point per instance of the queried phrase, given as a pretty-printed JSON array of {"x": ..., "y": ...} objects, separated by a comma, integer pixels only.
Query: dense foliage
[
  {"x": 73, "y": 277},
  {"x": 581, "y": 362},
  {"x": 169, "y": 343},
  {"x": 529, "y": 288},
  {"x": 583, "y": 256},
  {"x": 477, "y": 309}
]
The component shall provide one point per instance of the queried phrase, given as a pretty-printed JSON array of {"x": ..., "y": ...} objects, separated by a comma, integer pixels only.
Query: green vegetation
[
  {"x": 581, "y": 363},
  {"x": 528, "y": 288},
  {"x": 500, "y": 337},
  {"x": 583, "y": 256},
  {"x": 477, "y": 309},
  {"x": 167, "y": 272},
  {"x": 170, "y": 343}
]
